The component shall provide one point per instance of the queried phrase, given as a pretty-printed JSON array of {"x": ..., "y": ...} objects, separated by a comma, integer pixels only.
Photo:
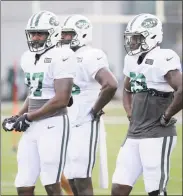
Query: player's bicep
[
  {"x": 105, "y": 77},
  {"x": 63, "y": 89},
  {"x": 174, "y": 79}
]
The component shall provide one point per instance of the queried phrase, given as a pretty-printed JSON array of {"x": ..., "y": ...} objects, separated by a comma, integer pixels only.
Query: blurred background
[{"x": 109, "y": 20}]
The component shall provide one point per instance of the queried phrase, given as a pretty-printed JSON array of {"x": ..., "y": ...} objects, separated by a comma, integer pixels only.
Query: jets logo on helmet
[
  {"x": 82, "y": 24},
  {"x": 149, "y": 23},
  {"x": 53, "y": 21}
]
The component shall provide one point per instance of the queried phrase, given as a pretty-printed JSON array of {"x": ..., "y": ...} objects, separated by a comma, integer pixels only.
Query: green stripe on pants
[
  {"x": 67, "y": 139},
  {"x": 92, "y": 146},
  {"x": 62, "y": 153},
  {"x": 165, "y": 158},
  {"x": 168, "y": 159},
  {"x": 162, "y": 164},
  {"x": 95, "y": 146}
]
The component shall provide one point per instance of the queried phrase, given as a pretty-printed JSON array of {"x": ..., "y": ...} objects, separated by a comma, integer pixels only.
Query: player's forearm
[
  {"x": 105, "y": 96},
  {"x": 127, "y": 102},
  {"x": 176, "y": 104},
  {"x": 50, "y": 107},
  {"x": 24, "y": 108}
]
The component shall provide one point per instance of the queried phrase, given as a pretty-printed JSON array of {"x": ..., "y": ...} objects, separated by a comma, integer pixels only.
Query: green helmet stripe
[
  {"x": 38, "y": 18},
  {"x": 134, "y": 20},
  {"x": 32, "y": 19},
  {"x": 67, "y": 20}
]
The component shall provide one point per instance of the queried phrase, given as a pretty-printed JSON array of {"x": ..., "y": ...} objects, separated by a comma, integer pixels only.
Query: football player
[
  {"x": 152, "y": 95},
  {"x": 43, "y": 118},
  {"x": 94, "y": 87}
]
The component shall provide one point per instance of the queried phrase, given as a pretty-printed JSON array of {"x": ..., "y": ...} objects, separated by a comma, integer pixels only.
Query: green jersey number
[
  {"x": 39, "y": 76},
  {"x": 75, "y": 90},
  {"x": 138, "y": 82}
]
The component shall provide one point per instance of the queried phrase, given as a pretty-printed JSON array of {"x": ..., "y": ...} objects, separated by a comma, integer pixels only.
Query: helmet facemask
[
  {"x": 69, "y": 37},
  {"x": 135, "y": 43},
  {"x": 42, "y": 42}
]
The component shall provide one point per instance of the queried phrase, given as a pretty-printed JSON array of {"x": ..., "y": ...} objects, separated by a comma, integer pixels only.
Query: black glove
[
  {"x": 22, "y": 123},
  {"x": 129, "y": 118},
  {"x": 8, "y": 123},
  {"x": 164, "y": 122},
  {"x": 70, "y": 102},
  {"x": 96, "y": 116}
]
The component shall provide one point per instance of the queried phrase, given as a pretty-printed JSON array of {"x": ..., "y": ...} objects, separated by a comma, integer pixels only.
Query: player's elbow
[
  {"x": 112, "y": 85},
  {"x": 180, "y": 90},
  {"x": 64, "y": 103},
  {"x": 60, "y": 102}
]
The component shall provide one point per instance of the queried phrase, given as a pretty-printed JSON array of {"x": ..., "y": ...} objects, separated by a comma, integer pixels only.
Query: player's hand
[
  {"x": 129, "y": 114},
  {"x": 97, "y": 115},
  {"x": 9, "y": 122},
  {"x": 129, "y": 117},
  {"x": 167, "y": 122},
  {"x": 82, "y": 120},
  {"x": 22, "y": 123},
  {"x": 88, "y": 118}
]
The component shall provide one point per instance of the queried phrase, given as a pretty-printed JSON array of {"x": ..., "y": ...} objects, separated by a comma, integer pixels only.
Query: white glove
[{"x": 81, "y": 120}]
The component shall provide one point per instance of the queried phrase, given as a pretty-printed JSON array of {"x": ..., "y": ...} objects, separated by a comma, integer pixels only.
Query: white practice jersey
[
  {"x": 56, "y": 63},
  {"x": 150, "y": 73},
  {"x": 86, "y": 89}
]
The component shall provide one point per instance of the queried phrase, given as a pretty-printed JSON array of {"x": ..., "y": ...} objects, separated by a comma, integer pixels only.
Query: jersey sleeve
[
  {"x": 170, "y": 61},
  {"x": 64, "y": 67},
  {"x": 97, "y": 60},
  {"x": 125, "y": 69}
]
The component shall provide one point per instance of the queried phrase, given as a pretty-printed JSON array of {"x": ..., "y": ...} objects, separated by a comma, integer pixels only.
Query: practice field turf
[{"x": 115, "y": 137}]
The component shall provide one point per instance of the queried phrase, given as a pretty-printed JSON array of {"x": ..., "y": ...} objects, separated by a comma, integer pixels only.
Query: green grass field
[{"x": 115, "y": 137}]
